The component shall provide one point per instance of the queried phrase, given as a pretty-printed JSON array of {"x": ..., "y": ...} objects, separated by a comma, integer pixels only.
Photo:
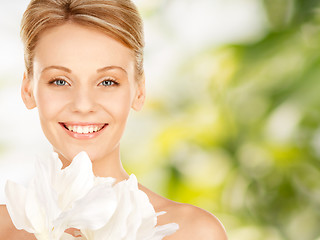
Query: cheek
[
  {"x": 48, "y": 104},
  {"x": 118, "y": 103}
]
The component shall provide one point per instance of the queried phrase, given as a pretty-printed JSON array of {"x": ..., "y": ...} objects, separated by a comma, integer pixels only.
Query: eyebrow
[
  {"x": 56, "y": 67},
  {"x": 98, "y": 71},
  {"x": 110, "y": 68}
]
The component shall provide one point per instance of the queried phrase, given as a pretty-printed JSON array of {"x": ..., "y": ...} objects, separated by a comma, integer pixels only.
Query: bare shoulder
[{"x": 194, "y": 222}]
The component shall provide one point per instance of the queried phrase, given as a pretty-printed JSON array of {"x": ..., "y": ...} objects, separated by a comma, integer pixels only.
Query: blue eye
[
  {"x": 108, "y": 83},
  {"x": 60, "y": 82}
]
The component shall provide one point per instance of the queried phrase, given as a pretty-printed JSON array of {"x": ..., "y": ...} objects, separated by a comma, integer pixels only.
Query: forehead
[{"x": 80, "y": 47}]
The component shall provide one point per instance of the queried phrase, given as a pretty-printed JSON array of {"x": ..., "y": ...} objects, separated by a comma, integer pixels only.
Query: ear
[
  {"x": 27, "y": 92},
  {"x": 140, "y": 96}
]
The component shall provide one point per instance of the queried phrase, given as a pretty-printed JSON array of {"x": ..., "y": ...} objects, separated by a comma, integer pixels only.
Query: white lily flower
[
  {"x": 59, "y": 199},
  {"x": 134, "y": 218}
]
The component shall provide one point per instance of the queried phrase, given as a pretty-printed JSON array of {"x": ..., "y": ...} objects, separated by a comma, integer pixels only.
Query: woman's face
[{"x": 84, "y": 87}]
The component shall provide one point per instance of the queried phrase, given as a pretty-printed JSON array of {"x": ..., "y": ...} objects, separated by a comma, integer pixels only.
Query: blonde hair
[{"x": 117, "y": 18}]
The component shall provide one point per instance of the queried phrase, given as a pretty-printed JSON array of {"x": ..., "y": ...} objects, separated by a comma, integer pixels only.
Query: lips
[{"x": 83, "y": 130}]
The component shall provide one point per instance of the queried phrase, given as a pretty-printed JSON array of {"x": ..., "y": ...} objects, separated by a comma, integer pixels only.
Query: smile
[{"x": 83, "y": 130}]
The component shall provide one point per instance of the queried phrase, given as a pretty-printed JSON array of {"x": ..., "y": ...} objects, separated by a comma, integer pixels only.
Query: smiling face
[{"x": 84, "y": 86}]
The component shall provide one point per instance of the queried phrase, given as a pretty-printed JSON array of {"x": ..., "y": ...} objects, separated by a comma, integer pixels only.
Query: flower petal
[
  {"x": 104, "y": 180},
  {"x": 143, "y": 215},
  {"x": 35, "y": 212},
  {"x": 74, "y": 181},
  {"x": 165, "y": 230},
  {"x": 116, "y": 227},
  {"x": 45, "y": 194},
  {"x": 92, "y": 211},
  {"x": 15, "y": 201}
]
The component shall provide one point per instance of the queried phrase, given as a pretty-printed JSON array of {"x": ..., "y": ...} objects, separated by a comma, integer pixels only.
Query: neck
[{"x": 110, "y": 166}]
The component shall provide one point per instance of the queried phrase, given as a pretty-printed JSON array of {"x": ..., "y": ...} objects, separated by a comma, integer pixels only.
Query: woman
[{"x": 84, "y": 73}]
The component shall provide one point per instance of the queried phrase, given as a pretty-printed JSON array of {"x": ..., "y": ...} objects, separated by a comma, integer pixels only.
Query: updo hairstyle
[{"x": 117, "y": 18}]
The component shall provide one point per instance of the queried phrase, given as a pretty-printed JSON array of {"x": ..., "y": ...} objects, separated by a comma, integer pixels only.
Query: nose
[{"x": 83, "y": 100}]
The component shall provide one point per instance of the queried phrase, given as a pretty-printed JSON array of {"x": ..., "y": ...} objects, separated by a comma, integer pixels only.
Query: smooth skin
[{"x": 82, "y": 75}]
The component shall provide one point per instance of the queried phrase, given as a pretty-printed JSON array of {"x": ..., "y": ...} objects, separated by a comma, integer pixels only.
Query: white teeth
[
  {"x": 83, "y": 129},
  {"x": 79, "y": 129}
]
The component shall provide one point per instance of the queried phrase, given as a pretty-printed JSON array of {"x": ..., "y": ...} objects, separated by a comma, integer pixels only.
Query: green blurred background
[
  {"x": 232, "y": 126},
  {"x": 237, "y": 132}
]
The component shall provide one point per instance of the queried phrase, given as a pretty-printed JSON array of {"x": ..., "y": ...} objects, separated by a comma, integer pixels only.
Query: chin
[{"x": 95, "y": 154}]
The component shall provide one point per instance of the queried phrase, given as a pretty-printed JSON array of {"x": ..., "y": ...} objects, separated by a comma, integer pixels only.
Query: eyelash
[
  {"x": 112, "y": 82},
  {"x": 54, "y": 82}
]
